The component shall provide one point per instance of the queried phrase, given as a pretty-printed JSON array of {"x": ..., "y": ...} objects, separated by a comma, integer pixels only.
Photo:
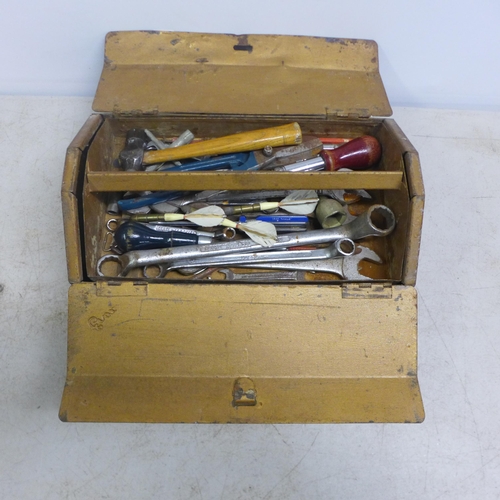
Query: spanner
[
  {"x": 378, "y": 220},
  {"x": 339, "y": 248},
  {"x": 346, "y": 268},
  {"x": 269, "y": 276}
]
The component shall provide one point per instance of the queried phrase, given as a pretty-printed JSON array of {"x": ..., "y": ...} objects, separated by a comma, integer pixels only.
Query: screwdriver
[
  {"x": 359, "y": 154},
  {"x": 136, "y": 236}
]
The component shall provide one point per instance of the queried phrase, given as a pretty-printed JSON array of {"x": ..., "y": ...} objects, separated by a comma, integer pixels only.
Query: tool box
[{"x": 180, "y": 350}]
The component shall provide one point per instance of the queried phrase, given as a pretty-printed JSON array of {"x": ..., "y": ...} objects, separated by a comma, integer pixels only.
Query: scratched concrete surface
[{"x": 455, "y": 453}]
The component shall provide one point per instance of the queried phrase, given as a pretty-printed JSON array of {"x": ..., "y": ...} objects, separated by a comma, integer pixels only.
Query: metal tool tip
[
  {"x": 345, "y": 247},
  {"x": 382, "y": 219}
]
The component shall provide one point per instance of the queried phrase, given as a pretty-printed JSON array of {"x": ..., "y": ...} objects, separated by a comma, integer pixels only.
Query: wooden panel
[
  {"x": 209, "y": 400},
  {"x": 74, "y": 261},
  {"x": 413, "y": 244},
  {"x": 408, "y": 201},
  {"x": 181, "y": 349},
  {"x": 73, "y": 170},
  {"x": 165, "y": 72},
  {"x": 198, "y": 181}
]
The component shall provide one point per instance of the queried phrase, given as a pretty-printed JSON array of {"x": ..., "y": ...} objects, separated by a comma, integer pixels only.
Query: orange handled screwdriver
[{"x": 284, "y": 135}]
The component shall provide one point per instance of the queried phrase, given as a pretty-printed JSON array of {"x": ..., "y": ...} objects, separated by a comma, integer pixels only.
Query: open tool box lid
[
  {"x": 163, "y": 352},
  {"x": 163, "y": 72}
]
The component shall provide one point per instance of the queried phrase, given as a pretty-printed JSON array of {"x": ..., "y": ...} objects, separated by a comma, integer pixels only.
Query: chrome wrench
[
  {"x": 339, "y": 248},
  {"x": 378, "y": 220},
  {"x": 346, "y": 268},
  {"x": 269, "y": 276}
]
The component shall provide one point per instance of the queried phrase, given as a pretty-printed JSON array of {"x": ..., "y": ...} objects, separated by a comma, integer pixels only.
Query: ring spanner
[
  {"x": 346, "y": 267},
  {"x": 339, "y": 248},
  {"x": 378, "y": 220}
]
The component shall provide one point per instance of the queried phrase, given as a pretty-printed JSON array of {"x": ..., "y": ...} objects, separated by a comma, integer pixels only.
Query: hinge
[
  {"x": 330, "y": 115},
  {"x": 367, "y": 291},
  {"x": 150, "y": 112},
  {"x": 121, "y": 289},
  {"x": 134, "y": 113}
]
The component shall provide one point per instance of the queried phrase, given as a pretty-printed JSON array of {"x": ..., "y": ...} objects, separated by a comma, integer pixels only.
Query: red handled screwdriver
[{"x": 359, "y": 154}]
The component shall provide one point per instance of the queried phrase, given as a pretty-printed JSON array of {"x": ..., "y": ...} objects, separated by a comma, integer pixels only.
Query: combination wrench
[
  {"x": 260, "y": 277},
  {"x": 339, "y": 248},
  {"x": 345, "y": 267},
  {"x": 378, "y": 220}
]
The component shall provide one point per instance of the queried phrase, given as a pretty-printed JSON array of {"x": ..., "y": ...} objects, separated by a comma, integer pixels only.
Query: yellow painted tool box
[{"x": 178, "y": 350}]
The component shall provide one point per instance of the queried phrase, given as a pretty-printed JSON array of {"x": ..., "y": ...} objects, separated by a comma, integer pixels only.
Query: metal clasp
[{"x": 244, "y": 393}]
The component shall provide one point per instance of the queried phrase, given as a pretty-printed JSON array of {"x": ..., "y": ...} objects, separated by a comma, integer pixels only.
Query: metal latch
[{"x": 244, "y": 393}]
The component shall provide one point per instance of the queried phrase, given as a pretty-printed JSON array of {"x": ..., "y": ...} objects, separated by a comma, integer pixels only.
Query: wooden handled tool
[
  {"x": 284, "y": 135},
  {"x": 359, "y": 154}
]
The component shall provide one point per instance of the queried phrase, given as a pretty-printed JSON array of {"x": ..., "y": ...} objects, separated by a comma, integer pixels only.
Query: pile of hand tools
[{"x": 172, "y": 233}]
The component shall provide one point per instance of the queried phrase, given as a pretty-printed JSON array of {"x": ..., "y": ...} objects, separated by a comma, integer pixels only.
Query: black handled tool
[{"x": 136, "y": 236}]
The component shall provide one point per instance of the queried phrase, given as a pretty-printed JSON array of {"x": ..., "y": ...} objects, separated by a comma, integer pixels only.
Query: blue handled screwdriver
[{"x": 136, "y": 236}]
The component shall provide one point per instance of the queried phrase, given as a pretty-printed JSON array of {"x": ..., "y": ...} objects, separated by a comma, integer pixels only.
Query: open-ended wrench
[
  {"x": 345, "y": 267},
  {"x": 266, "y": 276},
  {"x": 339, "y": 248},
  {"x": 378, "y": 220}
]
